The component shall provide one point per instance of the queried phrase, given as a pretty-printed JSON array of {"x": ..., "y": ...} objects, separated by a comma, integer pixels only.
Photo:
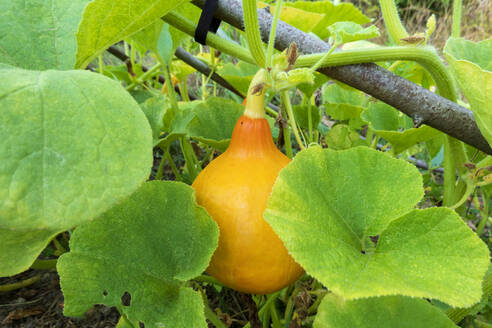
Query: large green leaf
[
  {"x": 345, "y": 32},
  {"x": 308, "y": 89},
  {"x": 156, "y": 109},
  {"x": 396, "y": 127},
  {"x": 342, "y": 103},
  {"x": 146, "y": 39},
  {"x": 239, "y": 76},
  {"x": 301, "y": 19},
  {"x": 19, "y": 249},
  {"x": 342, "y": 136},
  {"x": 328, "y": 206},
  {"x": 471, "y": 64},
  {"x": 377, "y": 312},
  {"x": 176, "y": 122},
  {"x": 39, "y": 34},
  {"x": 106, "y": 22},
  {"x": 332, "y": 14},
  {"x": 301, "y": 114},
  {"x": 147, "y": 246},
  {"x": 214, "y": 121},
  {"x": 72, "y": 144},
  {"x": 210, "y": 122}
]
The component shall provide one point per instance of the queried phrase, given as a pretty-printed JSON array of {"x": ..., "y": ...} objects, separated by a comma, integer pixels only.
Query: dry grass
[{"x": 476, "y": 18}]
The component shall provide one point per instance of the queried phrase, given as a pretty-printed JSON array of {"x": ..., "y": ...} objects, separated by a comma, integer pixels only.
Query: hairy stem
[
  {"x": 273, "y": 33},
  {"x": 253, "y": 32},
  {"x": 184, "y": 24},
  {"x": 284, "y": 95},
  {"x": 44, "y": 264},
  {"x": 19, "y": 285},
  {"x": 425, "y": 56},
  {"x": 456, "y": 29},
  {"x": 392, "y": 21}
]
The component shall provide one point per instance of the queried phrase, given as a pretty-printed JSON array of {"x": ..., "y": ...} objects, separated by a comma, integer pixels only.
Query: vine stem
[
  {"x": 212, "y": 317},
  {"x": 208, "y": 279},
  {"x": 189, "y": 156},
  {"x": 44, "y": 264},
  {"x": 454, "y": 158},
  {"x": 288, "y": 143},
  {"x": 185, "y": 25},
  {"x": 284, "y": 95},
  {"x": 144, "y": 76},
  {"x": 392, "y": 21},
  {"x": 484, "y": 213},
  {"x": 425, "y": 56},
  {"x": 273, "y": 33},
  {"x": 20, "y": 284},
  {"x": 322, "y": 59},
  {"x": 253, "y": 32},
  {"x": 456, "y": 27},
  {"x": 101, "y": 64},
  {"x": 397, "y": 31},
  {"x": 173, "y": 166},
  {"x": 469, "y": 189}
]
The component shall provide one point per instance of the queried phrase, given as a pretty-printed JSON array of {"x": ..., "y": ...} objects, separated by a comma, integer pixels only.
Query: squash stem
[
  {"x": 44, "y": 264},
  {"x": 252, "y": 29},
  {"x": 255, "y": 103},
  {"x": 456, "y": 29},
  {"x": 19, "y": 285},
  {"x": 288, "y": 108},
  {"x": 392, "y": 21}
]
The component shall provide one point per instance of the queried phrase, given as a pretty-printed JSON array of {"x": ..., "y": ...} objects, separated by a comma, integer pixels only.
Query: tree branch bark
[{"x": 417, "y": 102}]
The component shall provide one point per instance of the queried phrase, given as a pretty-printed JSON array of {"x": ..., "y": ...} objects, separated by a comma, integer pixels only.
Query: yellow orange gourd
[{"x": 234, "y": 189}]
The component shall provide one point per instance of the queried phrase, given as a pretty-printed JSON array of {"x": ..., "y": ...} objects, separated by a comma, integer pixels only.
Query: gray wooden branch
[
  {"x": 204, "y": 69},
  {"x": 420, "y": 104}
]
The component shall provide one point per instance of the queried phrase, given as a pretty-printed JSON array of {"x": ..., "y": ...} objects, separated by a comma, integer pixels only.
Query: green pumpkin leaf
[
  {"x": 342, "y": 103},
  {"x": 332, "y": 14},
  {"x": 396, "y": 127},
  {"x": 155, "y": 109},
  {"x": 301, "y": 114},
  {"x": 210, "y": 122},
  {"x": 165, "y": 46},
  {"x": 119, "y": 73},
  {"x": 215, "y": 119},
  {"x": 309, "y": 88},
  {"x": 72, "y": 144},
  {"x": 19, "y": 249},
  {"x": 177, "y": 123},
  {"x": 239, "y": 76},
  {"x": 159, "y": 238},
  {"x": 342, "y": 136},
  {"x": 146, "y": 39},
  {"x": 181, "y": 70},
  {"x": 377, "y": 312},
  {"x": 302, "y": 19},
  {"x": 362, "y": 193},
  {"x": 39, "y": 34},
  {"x": 141, "y": 95},
  {"x": 345, "y": 32},
  {"x": 471, "y": 64},
  {"x": 106, "y": 22}
]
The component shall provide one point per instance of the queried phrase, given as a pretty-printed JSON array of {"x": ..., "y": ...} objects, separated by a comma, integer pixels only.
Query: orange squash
[{"x": 234, "y": 188}]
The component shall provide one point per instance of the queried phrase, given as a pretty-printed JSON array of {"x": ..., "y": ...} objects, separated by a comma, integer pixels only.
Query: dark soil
[{"x": 40, "y": 305}]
